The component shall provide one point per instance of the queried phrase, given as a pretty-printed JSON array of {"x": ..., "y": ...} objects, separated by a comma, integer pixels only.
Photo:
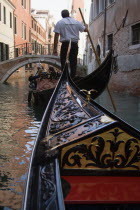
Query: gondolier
[{"x": 68, "y": 28}]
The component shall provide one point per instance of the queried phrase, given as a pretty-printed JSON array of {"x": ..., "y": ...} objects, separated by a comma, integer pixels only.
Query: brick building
[
  {"x": 45, "y": 19},
  {"x": 38, "y": 37},
  {"x": 116, "y": 24},
  {"x": 76, "y": 4},
  {"x": 22, "y": 24}
]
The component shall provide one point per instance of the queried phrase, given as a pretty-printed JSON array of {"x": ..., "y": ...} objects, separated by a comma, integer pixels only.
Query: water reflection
[
  {"x": 127, "y": 107},
  {"x": 4, "y": 208},
  {"x": 18, "y": 129}
]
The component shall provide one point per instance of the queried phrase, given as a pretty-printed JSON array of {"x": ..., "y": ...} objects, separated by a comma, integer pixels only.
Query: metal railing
[
  {"x": 26, "y": 49},
  {"x": 30, "y": 49}
]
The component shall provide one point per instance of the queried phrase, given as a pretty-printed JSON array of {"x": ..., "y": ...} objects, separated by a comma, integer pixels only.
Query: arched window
[{"x": 98, "y": 50}]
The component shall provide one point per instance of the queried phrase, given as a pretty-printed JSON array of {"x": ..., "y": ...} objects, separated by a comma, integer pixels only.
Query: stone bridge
[{"x": 8, "y": 67}]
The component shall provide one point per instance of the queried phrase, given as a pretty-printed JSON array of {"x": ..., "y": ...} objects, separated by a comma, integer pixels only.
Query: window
[
  {"x": 4, "y": 15},
  {"x": 98, "y": 50},
  {"x": 32, "y": 23},
  {"x": 10, "y": 20},
  {"x": 102, "y": 5},
  {"x": 1, "y": 51},
  {"x": 22, "y": 51},
  {"x": 16, "y": 52},
  {"x": 111, "y": 1},
  {"x": 91, "y": 11},
  {"x": 136, "y": 34},
  {"x": 23, "y": 31},
  {"x": 29, "y": 35},
  {"x": 33, "y": 45},
  {"x": 97, "y": 7},
  {"x": 35, "y": 26},
  {"x": 110, "y": 41},
  {"x": 90, "y": 55},
  {"x": 23, "y": 3},
  {"x": 7, "y": 51},
  {"x": 4, "y": 51},
  {"x": 15, "y": 25}
]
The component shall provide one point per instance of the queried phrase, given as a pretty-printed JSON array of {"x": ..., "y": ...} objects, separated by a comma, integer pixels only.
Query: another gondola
[
  {"x": 41, "y": 87},
  {"x": 84, "y": 157},
  {"x": 97, "y": 80}
]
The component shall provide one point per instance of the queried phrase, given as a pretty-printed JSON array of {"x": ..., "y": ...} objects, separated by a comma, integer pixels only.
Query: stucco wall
[
  {"x": 128, "y": 55},
  {"x": 23, "y": 16},
  {"x": 6, "y": 33},
  {"x": 114, "y": 17},
  {"x": 127, "y": 82}
]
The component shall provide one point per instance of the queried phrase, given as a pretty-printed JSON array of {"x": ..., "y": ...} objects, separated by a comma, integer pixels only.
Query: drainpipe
[{"x": 104, "y": 41}]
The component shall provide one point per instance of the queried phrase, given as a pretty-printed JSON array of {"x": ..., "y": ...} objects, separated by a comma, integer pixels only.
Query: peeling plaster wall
[{"x": 128, "y": 55}]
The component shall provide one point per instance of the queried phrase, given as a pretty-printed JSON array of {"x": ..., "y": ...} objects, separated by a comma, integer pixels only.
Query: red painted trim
[{"x": 103, "y": 189}]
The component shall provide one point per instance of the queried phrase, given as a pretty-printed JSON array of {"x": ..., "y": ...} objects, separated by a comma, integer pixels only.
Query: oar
[{"x": 97, "y": 58}]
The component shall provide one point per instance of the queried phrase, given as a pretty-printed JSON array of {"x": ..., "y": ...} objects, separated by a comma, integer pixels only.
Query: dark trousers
[{"x": 72, "y": 56}]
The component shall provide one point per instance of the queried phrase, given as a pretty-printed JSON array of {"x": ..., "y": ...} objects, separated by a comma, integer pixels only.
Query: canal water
[{"x": 19, "y": 124}]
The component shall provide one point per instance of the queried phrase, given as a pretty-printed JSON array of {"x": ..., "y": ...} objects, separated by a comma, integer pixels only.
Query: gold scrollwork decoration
[{"x": 112, "y": 150}]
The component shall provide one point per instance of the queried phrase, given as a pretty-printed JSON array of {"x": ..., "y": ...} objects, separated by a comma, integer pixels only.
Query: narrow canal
[{"x": 19, "y": 124}]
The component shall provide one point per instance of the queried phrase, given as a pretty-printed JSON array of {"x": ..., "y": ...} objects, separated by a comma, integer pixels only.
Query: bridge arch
[{"x": 52, "y": 60}]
